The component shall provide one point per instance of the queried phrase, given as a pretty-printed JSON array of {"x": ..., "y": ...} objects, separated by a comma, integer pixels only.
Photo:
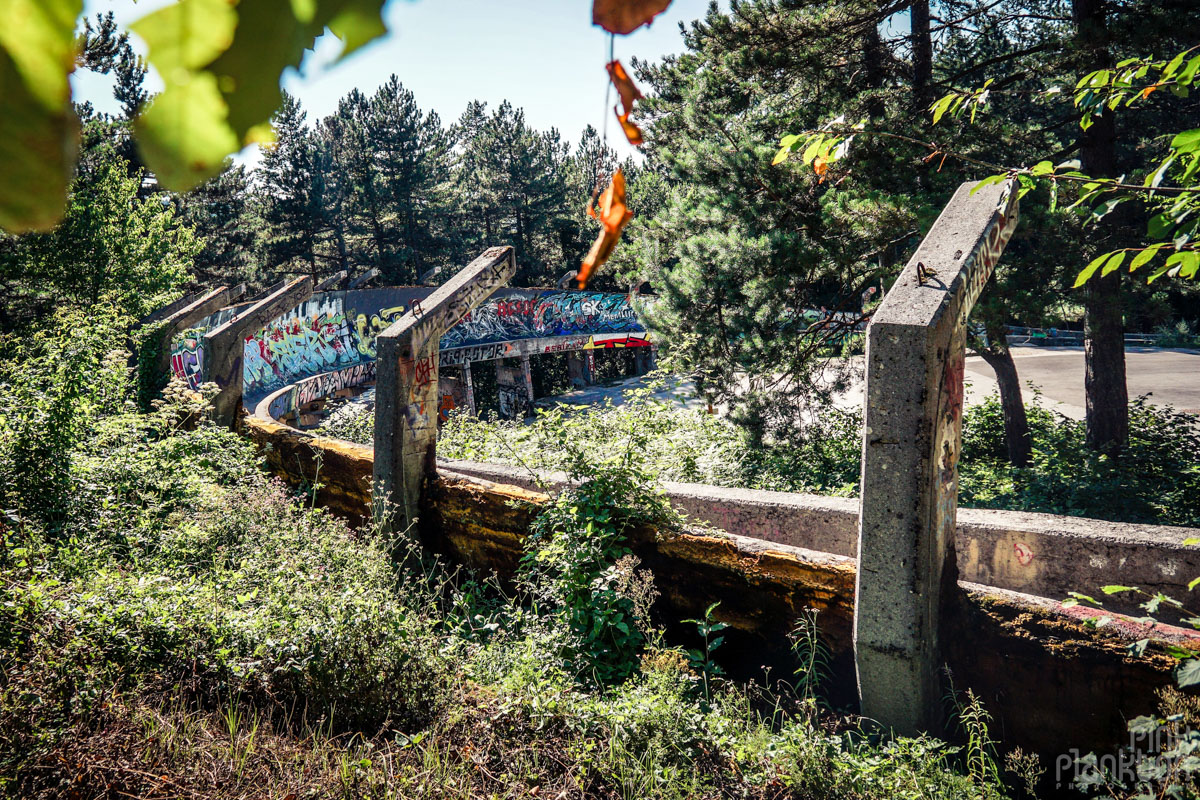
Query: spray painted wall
[{"x": 337, "y": 330}]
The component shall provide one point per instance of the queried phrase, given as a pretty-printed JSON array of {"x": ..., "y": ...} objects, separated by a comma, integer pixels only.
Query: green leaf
[
  {"x": 781, "y": 156},
  {"x": 789, "y": 140},
  {"x": 1159, "y": 226},
  {"x": 1188, "y": 673},
  {"x": 814, "y": 145},
  {"x": 1186, "y": 141},
  {"x": 183, "y": 133},
  {"x": 186, "y": 35},
  {"x": 1189, "y": 264},
  {"x": 39, "y": 37},
  {"x": 1173, "y": 66},
  {"x": 988, "y": 181},
  {"x": 1191, "y": 541},
  {"x": 357, "y": 23},
  {"x": 39, "y": 131},
  {"x": 1144, "y": 257},
  {"x": 1193, "y": 583},
  {"x": 1090, "y": 270},
  {"x": 1114, "y": 263},
  {"x": 1114, "y": 588},
  {"x": 1189, "y": 72},
  {"x": 1042, "y": 168}
]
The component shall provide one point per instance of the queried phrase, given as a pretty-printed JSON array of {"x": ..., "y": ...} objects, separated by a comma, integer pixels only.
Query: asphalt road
[{"x": 1170, "y": 377}]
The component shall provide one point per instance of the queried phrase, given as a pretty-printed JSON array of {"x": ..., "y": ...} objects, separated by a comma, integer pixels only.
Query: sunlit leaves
[
  {"x": 626, "y": 16},
  {"x": 180, "y": 133},
  {"x": 187, "y": 35},
  {"x": 38, "y": 127},
  {"x": 819, "y": 149},
  {"x": 957, "y": 102},
  {"x": 221, "y": 61}
]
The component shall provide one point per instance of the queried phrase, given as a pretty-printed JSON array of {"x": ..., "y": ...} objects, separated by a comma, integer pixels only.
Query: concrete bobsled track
[
  {"x": 327, "y": 342},
  {"x": 914, "y": 598}
]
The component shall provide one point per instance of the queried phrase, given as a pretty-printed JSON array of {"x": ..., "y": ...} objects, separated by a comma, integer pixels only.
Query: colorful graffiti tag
[
  {"x": 530, "y": 315},
  {"x": 334, "y": 331},
  {"x": 187, "y": 356}
]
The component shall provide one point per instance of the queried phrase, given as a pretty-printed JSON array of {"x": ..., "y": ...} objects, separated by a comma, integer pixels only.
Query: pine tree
[
  {"x": 218, "y": 210},
  {"x": 291, "y": 201}
]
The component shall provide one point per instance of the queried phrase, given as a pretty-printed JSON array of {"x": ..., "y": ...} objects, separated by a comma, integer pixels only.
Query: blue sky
[{"x": 542, "y": 55}]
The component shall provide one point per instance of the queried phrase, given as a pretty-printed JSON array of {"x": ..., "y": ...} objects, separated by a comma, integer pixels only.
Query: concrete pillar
[
  {"x": 911, "y": 440},
  {"x": 579, "y": 370},
  {"x": 406, "y": 402},
  {"x": 510, "y": 388},
  {"x": 184, "y": 318},
  {"x": 225, "y": 344},
  {"x": 527, "y": 378},
  {"x": 643, "y": 360},
  {"x": 470, "y": 384}
]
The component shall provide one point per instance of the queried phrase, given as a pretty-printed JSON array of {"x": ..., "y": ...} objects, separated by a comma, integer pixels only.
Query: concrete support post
[
  {"x": 911, "y": 440},
  {"x": 470, "y": 384},
  {"x": 406, "y": 402},
  {"x": 527, "y": 378},
  {"x": 186, "y": 317},
  {"x": 579, "y": 371},
  {"x": 643, "y": 360},
  {"x": 225, "y": 344}
]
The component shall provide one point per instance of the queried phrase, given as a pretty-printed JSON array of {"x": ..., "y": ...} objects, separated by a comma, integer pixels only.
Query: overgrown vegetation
[
  {"x": 1156, "y": 481},
  {"x": 175, "y": 623}
]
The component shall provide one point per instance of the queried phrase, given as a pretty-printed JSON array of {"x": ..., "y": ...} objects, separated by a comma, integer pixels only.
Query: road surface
[{"x": 1170, "y": 377}]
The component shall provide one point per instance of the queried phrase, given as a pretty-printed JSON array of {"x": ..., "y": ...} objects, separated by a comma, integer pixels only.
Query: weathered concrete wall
[
  {"x": 1050, "y": 681},
  {"x": 1039, "y": 554},
  {"x": 336, "y": 330}
]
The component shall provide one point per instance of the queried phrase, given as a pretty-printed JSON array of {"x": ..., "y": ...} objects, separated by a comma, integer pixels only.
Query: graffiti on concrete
[
  {"x": 312, "y": 338},
  {"x": 187, "y": 356},
  {"x": 368, "y": 325},
  {"x": 330, "y": 383},
  {"x": 526, "y": 315},
  {"x": 335, "y": 331},
  {"x": 483, "y": 352}
]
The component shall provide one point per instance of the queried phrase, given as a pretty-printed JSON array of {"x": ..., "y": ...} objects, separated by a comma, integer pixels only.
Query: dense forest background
[{"x": 736, "y": 247}]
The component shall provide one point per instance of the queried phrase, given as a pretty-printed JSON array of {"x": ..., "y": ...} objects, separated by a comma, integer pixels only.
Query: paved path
[{"x": 1171, "y": 377}]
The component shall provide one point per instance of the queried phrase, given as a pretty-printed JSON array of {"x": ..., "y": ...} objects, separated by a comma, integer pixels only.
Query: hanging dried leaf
[
  {"x": 630, "y": 94},
  {"x": 624, "y": 85},
  {"x": 613, "y": 215},
  {"x": 632, "y": 132},
  {"x": 626, "y": 16},
  {"x": 820, "y": 166}
]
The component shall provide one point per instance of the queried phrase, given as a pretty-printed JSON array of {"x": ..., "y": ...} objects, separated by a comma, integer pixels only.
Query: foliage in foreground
[
  {"x": 175, "y": 623},
  {"x": 1156, "y": 481}
]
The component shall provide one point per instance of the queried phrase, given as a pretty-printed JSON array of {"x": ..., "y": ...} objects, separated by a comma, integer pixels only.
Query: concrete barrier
[{"x": 1050, "y": 680}]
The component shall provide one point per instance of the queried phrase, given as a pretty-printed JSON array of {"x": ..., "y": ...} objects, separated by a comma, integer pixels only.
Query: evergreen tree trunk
[
  {"x": 1016, "y": 424},
  {"x": 1104, "y": 327},
  {"x": 922, "y": 55}
]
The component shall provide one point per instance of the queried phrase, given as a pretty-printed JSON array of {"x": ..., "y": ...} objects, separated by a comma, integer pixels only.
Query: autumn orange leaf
[
  {"x": 629, "y": 93},
  {"x": 613, "y": 215},
  {"x": 624, "y": 85},
  {"x": 626, "y": 16},
  {"x": 1148, "y": 90},
  {"x": 820, "y": 166},
  {"x": 632, "y": 132}
]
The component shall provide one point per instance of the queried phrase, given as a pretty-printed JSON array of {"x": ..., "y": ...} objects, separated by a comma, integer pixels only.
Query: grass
[
  {"x": 175, "y": 624},
  {"x": 1157, "y": 480}
]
